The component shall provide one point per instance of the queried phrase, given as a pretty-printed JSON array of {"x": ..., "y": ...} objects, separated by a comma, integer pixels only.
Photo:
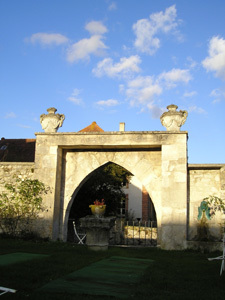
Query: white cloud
[
  {"x": 108, "y": 103},
  {"x": 80, "y": 50},
  {"x": 112, "y": 6},
  {"x": 93, "y": 45},
  {"x": 48, "y": 39},
  {"x": 24, "y": 126},
  {"x": 218, "y": 95},
  {"x": 190, "y": 94},
  {"x": 145, "y": 40},
  {"x": 215, "y": 93},
  {"x": 10, "y": 115},
  {"x": 145, "y": 90},
  {"x": 85, "y": 47},
  {"x": 215, "y": 62},
  {"x": 96, "y": 27},
  {"x": 165, "y": 21},
  {"x": 196, "y": 109},
  {"x": 171, "y": 78},
  {"x": 142, "y": 90},
  {"x": 74, "y": 97},
  {"x": 147, "y": 29},
  {"x": 124, "y": 67},
  {"x": 156, "y": 111},
  {"x": 121, "y": 88},
  {"x": 191, "y": 63}
]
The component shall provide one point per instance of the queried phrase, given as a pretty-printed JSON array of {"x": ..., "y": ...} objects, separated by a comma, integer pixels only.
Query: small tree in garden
[
  {"x": 207, "y": 209},
  {"x": 215, "y": 204},
  {"x": 20, "y": 204}
]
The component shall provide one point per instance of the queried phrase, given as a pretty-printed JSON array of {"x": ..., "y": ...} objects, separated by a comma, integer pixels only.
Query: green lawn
[{"x": 171, "y": 275}]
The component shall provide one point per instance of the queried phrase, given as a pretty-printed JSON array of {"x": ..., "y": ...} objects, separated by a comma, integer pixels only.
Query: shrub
[{"x": 20, "y": 204}]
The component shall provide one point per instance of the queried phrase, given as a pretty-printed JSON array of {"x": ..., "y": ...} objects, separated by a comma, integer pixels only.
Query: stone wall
[
  {"x": 10, "y": 169},
  {"x": 205, "y": 180},
  {"x": 8, "y": 173},
  {"x": 64, "y": 161},
  {"x": 158, "y": 159}
]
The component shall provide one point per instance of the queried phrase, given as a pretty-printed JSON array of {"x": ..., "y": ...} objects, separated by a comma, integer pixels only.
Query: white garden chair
[
  {"x": 78, "y": 234},
  {"x": 4, "y": 290},
  {"x": 222, "y": 257}
]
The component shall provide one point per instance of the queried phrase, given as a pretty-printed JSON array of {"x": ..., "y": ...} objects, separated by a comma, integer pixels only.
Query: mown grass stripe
[
  {"x": 114, "y": 276},
  {"x": 18, "y": 257}
]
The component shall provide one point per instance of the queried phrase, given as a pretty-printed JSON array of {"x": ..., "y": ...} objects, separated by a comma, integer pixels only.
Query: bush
[{"x": 20, "y": 204}]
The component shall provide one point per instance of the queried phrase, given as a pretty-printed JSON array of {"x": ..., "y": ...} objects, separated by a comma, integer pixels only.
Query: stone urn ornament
[
  {"x": 52, "y": 121},
  {"x": 173, "y": 119}
]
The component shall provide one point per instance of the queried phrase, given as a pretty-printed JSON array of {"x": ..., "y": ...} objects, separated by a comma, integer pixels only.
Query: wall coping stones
[
  {"x": 111, "y": 133},
  {"x": 205, "y": 166}
]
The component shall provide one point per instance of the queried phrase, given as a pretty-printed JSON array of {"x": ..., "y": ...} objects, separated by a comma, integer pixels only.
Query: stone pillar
[
  {"x": 97, "y": 230},
  {"x": 174, "y": 193},
  {"x": 48, "y": 162}
]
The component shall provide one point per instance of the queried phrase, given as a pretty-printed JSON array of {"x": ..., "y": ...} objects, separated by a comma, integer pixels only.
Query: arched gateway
[{"x": 157, "y": 159}]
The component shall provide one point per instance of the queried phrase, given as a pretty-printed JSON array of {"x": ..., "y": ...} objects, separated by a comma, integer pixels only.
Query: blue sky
[{"x": 115, "y": 61}]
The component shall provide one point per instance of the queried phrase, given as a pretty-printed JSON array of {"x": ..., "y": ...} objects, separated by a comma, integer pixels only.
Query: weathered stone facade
[
  {"x": 205, "y": 180},
  {"x": 158, "y": 159},
  {"x": 10, "y": 169}
]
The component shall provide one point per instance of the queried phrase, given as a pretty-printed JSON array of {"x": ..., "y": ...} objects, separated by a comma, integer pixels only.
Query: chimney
[{"x": 122, "y": 126}]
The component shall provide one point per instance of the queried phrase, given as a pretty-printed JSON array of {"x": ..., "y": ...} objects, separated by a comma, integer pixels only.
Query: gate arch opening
[{"x": 125, "y": 197}]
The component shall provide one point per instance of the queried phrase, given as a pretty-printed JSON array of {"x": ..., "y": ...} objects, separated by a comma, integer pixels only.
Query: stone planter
[
  {"x": 98, "y": 210},
  {"x": 98, "y": 231},
  {"x": 173, "y": 119}
]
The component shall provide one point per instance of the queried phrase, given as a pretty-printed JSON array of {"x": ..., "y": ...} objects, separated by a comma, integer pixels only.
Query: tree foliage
[
  {"x": 20, "y": 203},
  {"x": 215, "y": 204},
  {"x": 104, "y": 183}
]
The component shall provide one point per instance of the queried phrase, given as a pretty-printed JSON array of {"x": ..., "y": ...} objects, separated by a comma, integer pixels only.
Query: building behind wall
[{"x": 138, "y": 202}]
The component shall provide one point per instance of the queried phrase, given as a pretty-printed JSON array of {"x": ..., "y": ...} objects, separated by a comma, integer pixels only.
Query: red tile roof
[
  {"x": 92, "y": 128},
  {"x": 17, "y": 150}
]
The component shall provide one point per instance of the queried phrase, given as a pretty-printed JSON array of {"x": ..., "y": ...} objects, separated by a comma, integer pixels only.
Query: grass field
[{"x": 171, "y": 275}]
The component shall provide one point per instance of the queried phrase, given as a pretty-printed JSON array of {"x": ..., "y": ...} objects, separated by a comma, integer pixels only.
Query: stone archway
[
  {"x": 97, "y": 156},
  {"x": 137, "y": 202},
  {"x": 157, "y": 159}
]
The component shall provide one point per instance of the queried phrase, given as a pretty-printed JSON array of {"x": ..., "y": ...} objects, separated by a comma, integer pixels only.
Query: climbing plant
[{"x": 20, "y": 203}]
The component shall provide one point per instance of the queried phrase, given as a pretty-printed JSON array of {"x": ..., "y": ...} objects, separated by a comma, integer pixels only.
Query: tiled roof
[
  {"x": 92, "y": 128},
  {"x": 17, "y": 150}
]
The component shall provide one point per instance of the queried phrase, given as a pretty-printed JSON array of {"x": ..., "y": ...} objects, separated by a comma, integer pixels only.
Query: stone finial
[
  {"x": 173, "y": 119},
  {"x": 52, "y": 121}
]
